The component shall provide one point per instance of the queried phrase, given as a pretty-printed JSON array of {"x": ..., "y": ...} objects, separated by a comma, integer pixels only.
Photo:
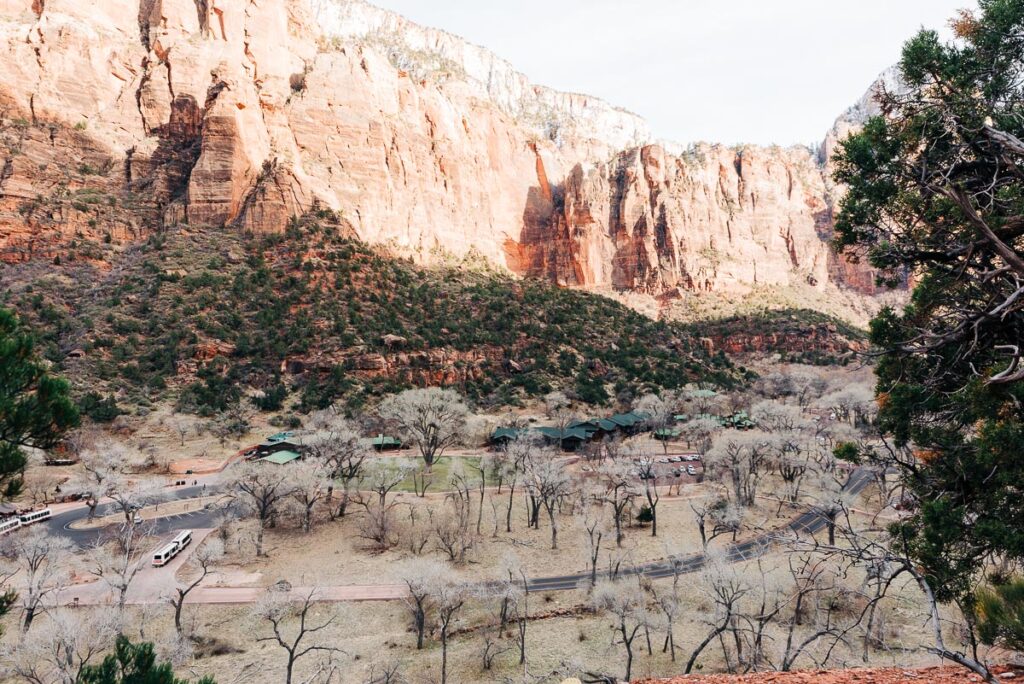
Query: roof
[
  {"x": 567, "y": 433},
  {"x": 279, "y": 443},
  {"x": 666, "y": 432},
  {"x": 279, "y": 437},
  {"x": 281, "y": 457},
  {"x": 506, "y": 433},
  {"x": 385, "y": 440},
  {"x": 628, "y": 419}
]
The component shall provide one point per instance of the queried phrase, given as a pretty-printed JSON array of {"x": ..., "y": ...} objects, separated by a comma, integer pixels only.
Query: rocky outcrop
[
  {"x": 239, "y": 114},
  {"x": 714, "y": 219}
]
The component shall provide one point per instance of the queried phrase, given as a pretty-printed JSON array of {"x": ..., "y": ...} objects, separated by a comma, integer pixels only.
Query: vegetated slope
[
  {"x": 202, "y": 316},
  {"x": 797, "y": 335}
]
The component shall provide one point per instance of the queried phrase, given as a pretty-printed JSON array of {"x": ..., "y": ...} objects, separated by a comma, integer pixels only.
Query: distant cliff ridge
[{"x": 121, "y": 117}]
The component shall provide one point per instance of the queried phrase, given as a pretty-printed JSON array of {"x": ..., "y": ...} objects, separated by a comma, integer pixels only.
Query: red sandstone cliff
[{"x": 241, "y": 114}]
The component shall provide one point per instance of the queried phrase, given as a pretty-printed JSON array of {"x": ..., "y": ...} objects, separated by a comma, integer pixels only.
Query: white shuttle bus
[
  {"x": 164, "y": 555},
  {"x": 35, "y": 516},
  {"x": 9, "y": 525},
  {"x": 173, "y": 548},
  {"x": 182, "y": 539}
]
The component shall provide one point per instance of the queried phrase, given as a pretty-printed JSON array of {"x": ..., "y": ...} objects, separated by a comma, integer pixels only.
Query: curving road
[
  {"x": 811, "y": 522},
  {"x": 60, "y": 523}
]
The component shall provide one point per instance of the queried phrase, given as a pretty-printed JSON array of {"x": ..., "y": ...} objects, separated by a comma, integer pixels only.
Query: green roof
[
  {"x": 384, "y": 440},
  {"x": 279, "y": 437},
  {"x": 665, "y": 433},
  {"x": 506, "y": 433},
  {"x": 628, "y": 419},
  {"x": 567, "y": 433},
  {"x": 281, "y": 457}
]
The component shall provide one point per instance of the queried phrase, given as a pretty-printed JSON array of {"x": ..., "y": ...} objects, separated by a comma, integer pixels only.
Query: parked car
[{"x": 690, "y": 470}]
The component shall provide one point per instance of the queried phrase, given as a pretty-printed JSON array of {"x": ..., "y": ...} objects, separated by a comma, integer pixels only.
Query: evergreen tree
[
  {"x": 936, "y": 189},
  {"x": 132, "y": 664},
  {"x": 35, "y": 409}
]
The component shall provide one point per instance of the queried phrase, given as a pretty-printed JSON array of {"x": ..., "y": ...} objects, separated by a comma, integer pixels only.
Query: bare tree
[
  {"x": 592, "y": 525},
  {"x": 292, "y": 623},
  {"x": 41, "y": 559},
  {"x": 388, "y": 672},
  {"x": 726, "y": 588},
  {"x": 516, "y": 600},
  {"x": 739, "y": 459},
  {"x": 659, "y": 413},
  {"x": 518, "y": 453},
  {"x": 380, "y": 478},
  {"x": 204, "y": 558},
  {"x": 309, "y": 485},
  {"x": 559, "y": 410},
  {"x": 450, "y": 597},
  {"x": 433, "y": 418},
  {"x": 106, "y": 465},
  {"x": 548, "y": 481},
  {"x": 119, "y": 560},
  {"x": 625, "y": 602},
  {"x": 619, "y": 492},
  {"x": 338, "y": 446},
  {"x": 700, "y": 432},
  {"x": 421, "y": 577},
  {"x": 182, "y": 427},
  {"x": 64, "y": 644},
  {"x": 262, "y": 487},
  {"x": 646, "y": 469}
]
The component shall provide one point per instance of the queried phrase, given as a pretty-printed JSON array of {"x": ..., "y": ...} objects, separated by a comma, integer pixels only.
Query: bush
[
  {"x": 99, "y": 408},
  {"x": 272, "y": 398}
]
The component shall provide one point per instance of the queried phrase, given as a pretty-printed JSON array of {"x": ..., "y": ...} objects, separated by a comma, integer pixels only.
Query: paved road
[
  {"x": 60, "y": 524},
  {"x": 808, "y": 523},
  {"x": 811, "y": 522}
]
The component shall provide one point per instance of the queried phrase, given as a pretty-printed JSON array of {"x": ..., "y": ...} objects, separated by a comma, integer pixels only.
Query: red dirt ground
[{"x": 891, "y": 675}]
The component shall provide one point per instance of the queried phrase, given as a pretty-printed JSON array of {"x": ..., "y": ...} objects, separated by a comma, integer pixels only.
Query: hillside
[
  {"x": 797, "y": 335},
  {"x": 203, "y": 316},
  {"x": 241, "y": 116}
]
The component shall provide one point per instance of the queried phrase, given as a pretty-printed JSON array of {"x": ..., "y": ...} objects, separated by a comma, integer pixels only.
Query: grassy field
[{"x": 441, "y": 473}]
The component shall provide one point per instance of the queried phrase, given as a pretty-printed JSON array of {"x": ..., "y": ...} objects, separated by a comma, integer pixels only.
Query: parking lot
[{"x": 678, "y": 469}]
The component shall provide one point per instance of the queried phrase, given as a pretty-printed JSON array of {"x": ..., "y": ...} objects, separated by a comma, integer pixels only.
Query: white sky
[{"x": 730, "y": 71}]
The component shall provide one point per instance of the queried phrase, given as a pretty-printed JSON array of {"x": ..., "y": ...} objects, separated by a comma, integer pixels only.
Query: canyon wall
[{"x": 240, "y": 114}]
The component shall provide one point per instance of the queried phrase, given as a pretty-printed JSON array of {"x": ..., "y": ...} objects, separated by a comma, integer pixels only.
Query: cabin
[
  {"x": 384, "y": 442},
  {"x": 629, "y": 423},
  {"x": 502, "y": 436},
  {"x": 281, "y": 457},
  {"x": 567, "y": 439},
  {"x": 272, "y": 447}
]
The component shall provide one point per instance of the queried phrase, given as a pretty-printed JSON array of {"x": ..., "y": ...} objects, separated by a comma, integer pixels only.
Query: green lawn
[{"x": 441, "y": 472}]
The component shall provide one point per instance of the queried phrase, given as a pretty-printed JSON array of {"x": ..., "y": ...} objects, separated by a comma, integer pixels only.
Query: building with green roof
[{"x": 281, "y": 457}]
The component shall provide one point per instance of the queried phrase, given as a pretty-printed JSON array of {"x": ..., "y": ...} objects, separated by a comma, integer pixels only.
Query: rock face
[{"x": 241, "y": 114}]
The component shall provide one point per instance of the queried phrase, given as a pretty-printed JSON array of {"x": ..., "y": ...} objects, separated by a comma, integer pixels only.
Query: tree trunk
[
  {"x": 421, "y": 620},
  {"x": 177, "y": 612},
  {"x": 444, "y": 656}
]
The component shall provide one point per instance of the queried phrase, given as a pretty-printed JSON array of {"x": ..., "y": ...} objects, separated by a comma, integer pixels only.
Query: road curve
[
  {"x": 61, "y": 523},
  {"x": 809, "y": 522}
]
